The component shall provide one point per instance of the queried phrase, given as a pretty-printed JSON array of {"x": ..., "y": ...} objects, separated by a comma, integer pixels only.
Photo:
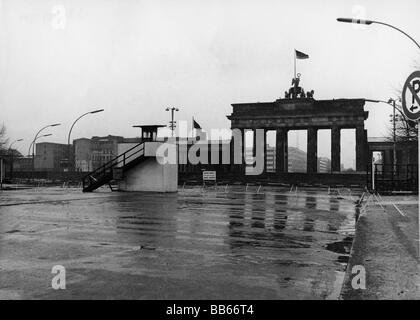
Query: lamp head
[
  {"x": 96, "y": 111},
  {"x": 357, "y": 21}
]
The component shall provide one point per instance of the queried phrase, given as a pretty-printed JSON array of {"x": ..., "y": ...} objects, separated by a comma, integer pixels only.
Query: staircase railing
[{"x": 119, "y": 161}]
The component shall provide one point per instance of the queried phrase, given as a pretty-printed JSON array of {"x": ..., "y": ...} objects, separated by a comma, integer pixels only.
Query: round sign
[{"x": 411, "y": 96}]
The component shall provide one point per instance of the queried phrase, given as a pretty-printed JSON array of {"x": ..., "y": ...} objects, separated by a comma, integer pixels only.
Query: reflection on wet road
[{"x": 193, "y": 244}]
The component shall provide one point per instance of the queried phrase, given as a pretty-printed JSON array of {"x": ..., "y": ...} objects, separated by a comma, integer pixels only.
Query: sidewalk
[{"x": 387, "y": 245}]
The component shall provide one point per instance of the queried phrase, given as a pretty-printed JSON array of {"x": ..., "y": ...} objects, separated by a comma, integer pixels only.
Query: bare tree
[
  {"x": 405, "y": 130},
  {"x": 3, "y": 138}
]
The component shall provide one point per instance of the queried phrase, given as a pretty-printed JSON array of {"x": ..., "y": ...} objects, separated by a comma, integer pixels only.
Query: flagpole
[{"x": 295, "y": 65}]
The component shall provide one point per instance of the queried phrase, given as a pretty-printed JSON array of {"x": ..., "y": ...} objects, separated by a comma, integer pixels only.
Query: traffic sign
[{"x": 411, "y": 96}]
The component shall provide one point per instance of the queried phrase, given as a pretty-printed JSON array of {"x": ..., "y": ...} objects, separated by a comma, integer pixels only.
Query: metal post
[
  {"x": 373, "y": 174},
  {"x": 394, "y": 138},
  {"x": 172, "y": 123},
  {"x": 68, "y": 139},
  {"x": 1, "y": 173},
  {"x": 11, "y": 166}
]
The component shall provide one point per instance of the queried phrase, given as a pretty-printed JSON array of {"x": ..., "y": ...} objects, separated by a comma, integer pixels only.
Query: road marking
[{"x": 399, "y": 211}]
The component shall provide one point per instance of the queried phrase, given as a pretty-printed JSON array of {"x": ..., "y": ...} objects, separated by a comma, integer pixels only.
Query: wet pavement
[
  {"x": 387, "y": 246},
  {"x": 195, "y": 244}
]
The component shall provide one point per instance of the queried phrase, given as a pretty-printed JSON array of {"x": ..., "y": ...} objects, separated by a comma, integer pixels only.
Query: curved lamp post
[
  {"x": 36, "y": 137},
  {"x": 11, "y": 145},
  {"x": 369, "y": 22},
  {"x": 71, "y": 128},
  {"x": 30, "y": 146}
]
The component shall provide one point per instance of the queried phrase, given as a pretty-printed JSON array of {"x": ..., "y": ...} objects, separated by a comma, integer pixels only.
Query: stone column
[
  {"x": 265, "y": 151},
  {"x": 286, "y": 151},
  {"x": 360, "y": 149},
  {"x": 221, "y": 166},
  {"x": 281, "y": 150},
  {"x": 231, "y": 153},
  {"x": 368, "y": 159},
  {"x": 243, "y": 165},
  {"x": 254, "y": 142},
  {"x": 312, "y": 160},
  {"x": 335, "y": 149}
]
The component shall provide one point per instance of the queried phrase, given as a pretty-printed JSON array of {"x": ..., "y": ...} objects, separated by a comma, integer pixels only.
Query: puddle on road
[
  {"x": 12, "y": 231},
  {"x": 342, "y": 247}
]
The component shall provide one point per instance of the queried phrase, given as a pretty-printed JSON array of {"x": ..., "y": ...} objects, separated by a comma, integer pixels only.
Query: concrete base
[{"x": 150, "y": 175}]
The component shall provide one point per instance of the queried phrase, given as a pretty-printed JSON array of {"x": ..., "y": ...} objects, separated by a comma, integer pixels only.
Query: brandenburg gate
[{"x": 299, "y": 111}]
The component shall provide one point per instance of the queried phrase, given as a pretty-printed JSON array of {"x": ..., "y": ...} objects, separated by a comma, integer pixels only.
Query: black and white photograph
[{"x": 209, "y": 155}]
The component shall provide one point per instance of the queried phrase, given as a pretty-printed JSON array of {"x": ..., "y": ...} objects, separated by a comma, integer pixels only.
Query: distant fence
[
  {"x": 48, "y": 175},
  {"x": 295, "y": 178},
  {"x": 388, "y": 177}
]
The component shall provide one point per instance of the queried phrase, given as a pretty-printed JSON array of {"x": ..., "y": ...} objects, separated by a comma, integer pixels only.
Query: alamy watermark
[
  {"x": 358, "y": 281},
  {"x": 59, "y": 280},
  {"x": 207, "y": 150}
]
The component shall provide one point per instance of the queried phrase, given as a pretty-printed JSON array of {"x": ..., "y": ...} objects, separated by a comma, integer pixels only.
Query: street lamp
[
  {"x": 36, "y": 137},
  {"x": 369, "y": 22},
  {"x": 11, "y": 157},
  {"x": 30, "y": 146},
  {"x": 71, "y": 128},
  {"x": 10, "y": 147},
  {"x": 172, "y": 123}
]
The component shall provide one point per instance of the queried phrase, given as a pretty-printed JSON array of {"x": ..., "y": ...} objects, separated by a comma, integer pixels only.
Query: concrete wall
[{"x": 151, "y": 174}]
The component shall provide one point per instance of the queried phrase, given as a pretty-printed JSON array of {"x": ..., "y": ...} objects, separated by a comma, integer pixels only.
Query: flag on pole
[
  {"x": 197, "y": 130},
  {"x": 301, "y": 55},
  {"x": 196, "y": 125}
]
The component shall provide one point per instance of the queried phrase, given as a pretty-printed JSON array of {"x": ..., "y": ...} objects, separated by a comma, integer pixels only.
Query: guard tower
[
  {"x": 149, "y": 132},
  {"x": 138, "y": 166}
]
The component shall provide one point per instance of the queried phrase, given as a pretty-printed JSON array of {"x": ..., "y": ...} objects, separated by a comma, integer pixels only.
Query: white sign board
[{"x": 209, "y": 175}]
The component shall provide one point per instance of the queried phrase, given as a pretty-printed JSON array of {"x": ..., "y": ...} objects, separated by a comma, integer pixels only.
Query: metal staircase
[{"x": 114, "y": 169}]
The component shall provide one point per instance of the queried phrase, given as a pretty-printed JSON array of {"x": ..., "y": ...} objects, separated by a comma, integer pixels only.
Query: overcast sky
[{"x": 59, "y": 59}]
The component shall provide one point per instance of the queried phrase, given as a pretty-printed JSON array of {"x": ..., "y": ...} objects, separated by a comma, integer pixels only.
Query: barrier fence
[{"x": 387, "y": 177}]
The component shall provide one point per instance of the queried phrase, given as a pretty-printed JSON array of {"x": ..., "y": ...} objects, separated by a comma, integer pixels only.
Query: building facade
[
  {"x": 324, "y": 165},
  {"x": 90, "y": 154},
  {"x": 312, "y": 115},
  {"x": 48, "y": 156}
]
